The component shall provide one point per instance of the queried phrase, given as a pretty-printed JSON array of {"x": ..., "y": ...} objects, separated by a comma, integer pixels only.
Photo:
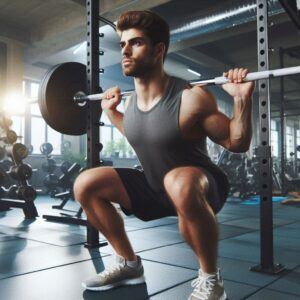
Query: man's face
[{"x": 137, "y": 53}]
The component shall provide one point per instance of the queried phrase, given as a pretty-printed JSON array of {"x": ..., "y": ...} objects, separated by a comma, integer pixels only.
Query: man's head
[{"x": 146, "y": 29}]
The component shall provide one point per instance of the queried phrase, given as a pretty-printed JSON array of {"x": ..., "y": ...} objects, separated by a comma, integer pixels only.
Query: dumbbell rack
[{"x": 27, "y": 205}]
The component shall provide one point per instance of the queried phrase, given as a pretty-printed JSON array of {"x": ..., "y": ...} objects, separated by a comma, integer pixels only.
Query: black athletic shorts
[{"x": 150, "y": 205}]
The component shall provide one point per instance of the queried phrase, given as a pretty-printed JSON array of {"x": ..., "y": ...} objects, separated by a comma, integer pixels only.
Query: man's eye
[{"x": 137, "y": 43}]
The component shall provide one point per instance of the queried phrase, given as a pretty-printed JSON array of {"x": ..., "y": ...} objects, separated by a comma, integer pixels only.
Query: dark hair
[{"x": 153, "y": 25}]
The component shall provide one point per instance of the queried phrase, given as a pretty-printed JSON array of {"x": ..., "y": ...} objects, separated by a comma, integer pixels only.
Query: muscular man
[{"x": 167, "y": 122}]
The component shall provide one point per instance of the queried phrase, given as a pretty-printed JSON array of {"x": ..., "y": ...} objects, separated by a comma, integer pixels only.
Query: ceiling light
[
  {"x": 77, "y": 49},
  {"x": 194, "y": 72}
]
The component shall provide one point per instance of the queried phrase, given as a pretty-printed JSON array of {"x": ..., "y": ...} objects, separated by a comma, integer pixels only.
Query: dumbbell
[
  {"x": 17, "y": 152},
  {"x": 12, "y": 192},
  {"x": 3, "y": 176},
  {"x": 10, "y": 137},
  {"x": 27, "y": 193},
  {"x": 46, "y": 148},
  {"x": 2, "y": 153},
  {"x": 20, "y": 172},
  {"x": 6, "y": 164},
  {"x": 49, "y": 166},
  {"x": 51, "y": 181},
  {"x": 64, "y": 167}
]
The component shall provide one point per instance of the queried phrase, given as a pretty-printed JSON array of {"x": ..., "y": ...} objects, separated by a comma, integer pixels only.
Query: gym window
[{"x": 274, "y": 139}]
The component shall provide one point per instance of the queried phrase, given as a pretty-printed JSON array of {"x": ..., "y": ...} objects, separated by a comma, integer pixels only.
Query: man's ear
[{"x": 160, "y": 49}]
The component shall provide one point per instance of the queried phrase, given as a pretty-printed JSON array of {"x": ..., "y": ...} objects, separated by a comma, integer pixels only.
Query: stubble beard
[{"x": 138, "y": 69}]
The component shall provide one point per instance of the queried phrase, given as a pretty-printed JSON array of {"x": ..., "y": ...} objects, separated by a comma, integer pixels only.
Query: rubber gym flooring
[{"x": 46, "y": 260}]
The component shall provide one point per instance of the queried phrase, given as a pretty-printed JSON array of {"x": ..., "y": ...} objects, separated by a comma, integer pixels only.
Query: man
[{"x": 166, "y": 121}]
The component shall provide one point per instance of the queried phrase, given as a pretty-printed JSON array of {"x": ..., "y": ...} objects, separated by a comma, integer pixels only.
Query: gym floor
[{"x": 46, "y": 260}]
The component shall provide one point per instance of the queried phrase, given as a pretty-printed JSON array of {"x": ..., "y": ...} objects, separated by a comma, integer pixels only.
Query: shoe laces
[
  {"x": 111, "y": 270},
  {"x": 203, "y": 286}
]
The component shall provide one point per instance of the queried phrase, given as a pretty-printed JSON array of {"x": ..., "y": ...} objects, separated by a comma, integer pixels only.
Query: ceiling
[{"x": 53, "y": 31}]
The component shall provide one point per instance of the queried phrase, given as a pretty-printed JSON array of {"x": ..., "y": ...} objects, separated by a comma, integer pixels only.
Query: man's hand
[
  {"x": 236, "y": 87},
  {"x": 111, "y": 98}
]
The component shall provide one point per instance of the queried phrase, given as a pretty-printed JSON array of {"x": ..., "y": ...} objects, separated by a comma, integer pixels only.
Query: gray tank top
[{"x": 156, "y": 138}]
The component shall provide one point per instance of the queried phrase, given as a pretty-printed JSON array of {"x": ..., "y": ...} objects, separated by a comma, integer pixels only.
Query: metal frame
[
  {"x": 94, "y": 113},
  {"x": 28, "y": 207},
  {"x": 264, "y": 150}
]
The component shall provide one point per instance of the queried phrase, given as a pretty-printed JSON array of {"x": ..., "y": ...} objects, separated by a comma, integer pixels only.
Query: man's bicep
[{"x": 216, "y": 127}]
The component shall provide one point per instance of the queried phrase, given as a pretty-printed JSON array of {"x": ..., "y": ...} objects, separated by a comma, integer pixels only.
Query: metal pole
[
  {"x": 93, "y": 115},
  {"x": 264, "y": 149}
]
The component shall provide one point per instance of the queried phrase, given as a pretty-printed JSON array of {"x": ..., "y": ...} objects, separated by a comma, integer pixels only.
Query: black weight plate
[{"x": 56, "y": 103}]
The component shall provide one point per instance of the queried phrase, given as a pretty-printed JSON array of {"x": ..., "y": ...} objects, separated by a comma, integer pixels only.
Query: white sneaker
[
  {"x": 117, "y": 275},
  {"x": 208, "y": 288}
]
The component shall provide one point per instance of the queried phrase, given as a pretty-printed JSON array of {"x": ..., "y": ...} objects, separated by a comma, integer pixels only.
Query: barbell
[{"x": 62, "y": 94}]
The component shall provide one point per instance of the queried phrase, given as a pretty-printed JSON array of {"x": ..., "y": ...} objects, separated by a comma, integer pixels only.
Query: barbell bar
[
  {"x": 61, "y": 85},
  {"x": 81, "y": 97}
]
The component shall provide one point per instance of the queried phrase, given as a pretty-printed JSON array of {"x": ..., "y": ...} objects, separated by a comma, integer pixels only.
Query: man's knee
[
  {"x": 88, "y": 183},
  {"x": 187, "y": 188}
]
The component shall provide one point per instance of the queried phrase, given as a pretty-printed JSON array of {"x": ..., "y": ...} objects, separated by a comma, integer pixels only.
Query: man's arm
[{"x": 233, "y": 134}]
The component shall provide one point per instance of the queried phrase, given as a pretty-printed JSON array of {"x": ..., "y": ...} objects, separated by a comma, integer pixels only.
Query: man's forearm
[
  {"x": 241, "y": 125},
  {"x": 116, "y": 118}
]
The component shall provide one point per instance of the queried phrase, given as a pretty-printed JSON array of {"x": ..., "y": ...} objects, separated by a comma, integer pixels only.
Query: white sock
[
  {"x": 132, "y": 263},
  {"x": 207, "y": 275}
]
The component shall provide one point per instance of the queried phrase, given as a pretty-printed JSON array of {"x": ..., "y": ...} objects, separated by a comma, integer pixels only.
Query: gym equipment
[
  {"x": 65, "y": 179},
  {"x": 6, "y": 164},
  {"x": 17, "y": 152},
  {"x": 2, "y": 153},
  {"x": 12, "y": 192},
  {"x": 80, "y": 97},
  {"x": 22, "y": 171},
  {"x": 51, "y": 183},
  {"x": 46, "y": 148},
  {"x": 3, "y": 176},
  {"x": 23, "y": 195},
  {"x": 27, "y": 193},
  {"x": 49, "y": 166},
  {"x": 19, "y": 197},
  {"x": 64, "y": 167},
  {"x": 51, "y": 180},
  {"x": 10, "y": 137},
  {"x": 62, "y": 89},
  {"x": 58, "y": 87}
]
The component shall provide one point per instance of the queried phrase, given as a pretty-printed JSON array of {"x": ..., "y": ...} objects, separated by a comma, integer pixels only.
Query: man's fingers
[
  {"x": 230, "y": 74},
  {"x": 244, "y": 73},
  {"x": 236, "y": 75},
  {"x": 240, "y": 75}
]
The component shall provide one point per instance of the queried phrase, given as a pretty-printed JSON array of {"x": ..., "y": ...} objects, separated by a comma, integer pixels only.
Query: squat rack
[{"x": 264, "y": 150}]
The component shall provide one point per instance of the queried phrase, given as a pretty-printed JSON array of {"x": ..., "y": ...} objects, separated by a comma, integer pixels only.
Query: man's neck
[{"x": 151, "y": 86}]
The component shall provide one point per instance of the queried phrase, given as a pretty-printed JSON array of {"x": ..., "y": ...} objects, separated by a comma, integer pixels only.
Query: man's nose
[{"x": 126, "y": 50}]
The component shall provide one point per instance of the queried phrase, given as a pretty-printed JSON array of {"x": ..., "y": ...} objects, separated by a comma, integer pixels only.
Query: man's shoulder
[{"x": 198, "y": 99}]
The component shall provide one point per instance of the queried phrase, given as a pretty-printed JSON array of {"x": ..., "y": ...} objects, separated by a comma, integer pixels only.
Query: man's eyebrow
[{"x": 134, "y": 39}]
